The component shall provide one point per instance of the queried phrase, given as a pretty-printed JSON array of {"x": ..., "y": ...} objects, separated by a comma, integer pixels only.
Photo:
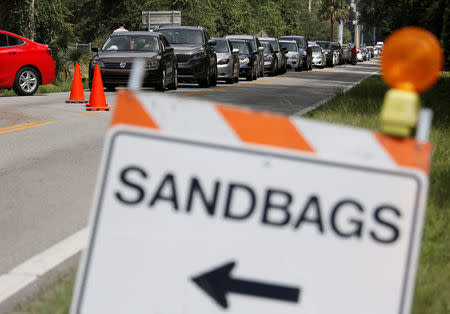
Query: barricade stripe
[
  {"x": 407, "y": 152},
  {"x": 187, "y": 117},
  {"x": 343, "y": 143},
  {"x": 129, "y": 110},
  {"x": 263, "y": 128}
]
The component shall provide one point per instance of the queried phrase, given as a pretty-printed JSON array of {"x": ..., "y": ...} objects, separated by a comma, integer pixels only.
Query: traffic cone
[
  {"x": 97, "y": 99},
  {"x": 77, "y": 93}
]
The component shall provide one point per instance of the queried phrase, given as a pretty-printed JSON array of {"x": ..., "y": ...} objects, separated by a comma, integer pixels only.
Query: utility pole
[
  {"x": 309, "y": 6},
  {"x": 355, "y": 22},
  {"x": 31, "y": 27}
]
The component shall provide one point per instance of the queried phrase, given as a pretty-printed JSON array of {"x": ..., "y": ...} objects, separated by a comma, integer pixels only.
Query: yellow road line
[
  {"x": 219, "y": 89},
  {"x": 26, "y": 127},
  {"x": 16, "y": 126},
  {"x": 90, "y": 112}
]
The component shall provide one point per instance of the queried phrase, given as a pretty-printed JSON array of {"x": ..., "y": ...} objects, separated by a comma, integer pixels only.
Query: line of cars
[
  {"x": 174, "y": 54},
  {"x": 188, "y": 54}
]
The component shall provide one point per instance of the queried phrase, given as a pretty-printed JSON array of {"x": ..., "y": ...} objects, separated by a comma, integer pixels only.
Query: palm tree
[{"x": 333, "y": 10}]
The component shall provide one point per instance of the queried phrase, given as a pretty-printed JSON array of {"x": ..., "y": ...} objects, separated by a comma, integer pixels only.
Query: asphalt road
[{"x": 50, "y": 151}]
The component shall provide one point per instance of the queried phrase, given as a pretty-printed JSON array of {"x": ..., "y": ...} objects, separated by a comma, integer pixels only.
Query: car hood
[
  {"x": 186, "y": 48},
  {"x": 222, "y": 55},
  {"x": 126, "y": 56},
  {"x": 291, "y": 53}
]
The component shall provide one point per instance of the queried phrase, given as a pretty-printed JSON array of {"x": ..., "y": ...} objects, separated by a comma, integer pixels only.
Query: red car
[{"x": 24, "y": 64}]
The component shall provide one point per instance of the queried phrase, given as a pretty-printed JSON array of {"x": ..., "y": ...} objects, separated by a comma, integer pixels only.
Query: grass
[{"x": 360, "y": 107}]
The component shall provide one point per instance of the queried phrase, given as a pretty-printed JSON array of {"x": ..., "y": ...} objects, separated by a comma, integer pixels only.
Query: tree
[{"x": 333, "y": 10}]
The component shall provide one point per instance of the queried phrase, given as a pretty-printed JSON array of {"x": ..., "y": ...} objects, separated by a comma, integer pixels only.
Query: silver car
[
  {"x": 227, "y": 61},
  {"x": 319, "y": 59},
  {"x": 293, "y": 54}
]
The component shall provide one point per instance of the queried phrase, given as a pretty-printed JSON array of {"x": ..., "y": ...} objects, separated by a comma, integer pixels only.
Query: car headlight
[
  {"x": 199, "y": 54},
  {"x": 244, "y": 61},
  {"x": 152, "y": 65},
  {"x": 223, "y": 61},
  {"x": 100, "y": 64}
]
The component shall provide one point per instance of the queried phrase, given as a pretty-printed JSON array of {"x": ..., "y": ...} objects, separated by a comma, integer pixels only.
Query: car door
[{"x": 11, "y": 51}]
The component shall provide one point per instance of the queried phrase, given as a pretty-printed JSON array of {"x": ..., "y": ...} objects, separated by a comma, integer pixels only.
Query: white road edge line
[
  {"x": 18, "y": 280},
  {"x": 321, "y": 102}
]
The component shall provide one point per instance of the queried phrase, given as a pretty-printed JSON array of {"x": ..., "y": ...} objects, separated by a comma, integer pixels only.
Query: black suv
[
  {"x": 194, "y": 50},
  {"x": 115, "y": 59}
]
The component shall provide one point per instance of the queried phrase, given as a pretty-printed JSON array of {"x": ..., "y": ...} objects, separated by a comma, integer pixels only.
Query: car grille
[
  {"x": 183, "y": 57},
  {"x": 116, "y": 65}
]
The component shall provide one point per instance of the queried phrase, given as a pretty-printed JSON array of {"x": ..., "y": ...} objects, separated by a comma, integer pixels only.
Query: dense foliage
[
  {"x": 58, "y": 22},
  {"x": 388, "y": 16}
]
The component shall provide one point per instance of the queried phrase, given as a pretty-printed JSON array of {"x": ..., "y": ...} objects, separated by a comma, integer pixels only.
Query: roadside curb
[{"x": 41, "y": 271}]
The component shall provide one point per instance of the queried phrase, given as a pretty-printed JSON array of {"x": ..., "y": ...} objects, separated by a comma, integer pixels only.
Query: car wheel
[
  {"x": 174, "y": 84},
  {"x": 26, "y": 82},
  {"x": 162, "y": 86},
  {"x": 213, "y": 79},
  {"x": 205, "y": 82},
  {"x": 110, "y": 87}
]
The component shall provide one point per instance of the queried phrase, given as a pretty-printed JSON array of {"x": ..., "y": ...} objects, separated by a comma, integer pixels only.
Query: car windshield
[
  {"x": 131, "y": 43},
  {"x": 241, "y": 45},
  {"x": 266, "y": 46},
  {"x": 221, "y": 46},
  {"x": 334, "y": 46},
  {"x": 300, "y": 41},
  {"x": 315, "y": 48},
  {"x": 289, "y": 46},
  {"x": 182, "y": 36},
  {"x": 323, "y": 44},
  {"x": 274, "y": 45}
]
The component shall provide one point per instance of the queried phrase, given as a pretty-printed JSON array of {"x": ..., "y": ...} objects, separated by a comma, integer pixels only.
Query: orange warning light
[{"x": 412, "y": 59}]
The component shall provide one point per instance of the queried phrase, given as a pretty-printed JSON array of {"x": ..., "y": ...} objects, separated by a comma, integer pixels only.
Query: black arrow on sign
[{"x": 218, "y": 282}]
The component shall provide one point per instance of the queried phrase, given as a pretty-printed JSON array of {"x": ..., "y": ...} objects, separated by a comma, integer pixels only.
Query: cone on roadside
[
  {"x": 77, "y": 93},
  {"x": 97, "y": 100}
]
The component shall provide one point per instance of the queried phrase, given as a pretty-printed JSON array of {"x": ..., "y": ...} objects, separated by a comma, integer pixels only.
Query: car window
[
  {"x": 14, "y": 41},
  {"x": 315, "y": 48},
  {"x": 289, "y": 46},
  {"x": 182, "y": 36},
  {"x": 241, "y": 45},
  {"x": 253, "y": 44},
  {"x": 131, "y": 43},
  {"x": 165, "y": 42},
  {"x": 274, "y": 45},
  {"x": 323, "y": 44},
  {"x": 266, "y": 46},
  {"x": 3, "y": 40},
  {"x": 221, "y": 46}
]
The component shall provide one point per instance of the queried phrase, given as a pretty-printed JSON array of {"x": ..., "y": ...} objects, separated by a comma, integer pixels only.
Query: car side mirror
[
  {"x": 212, "y": 42},
  {"x": 168, "y": 49},
  {"x": 235, "y": 50},
  {"x": 94, "y": 49}
]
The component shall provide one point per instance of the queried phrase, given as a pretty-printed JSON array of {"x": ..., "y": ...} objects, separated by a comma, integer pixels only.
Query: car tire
[
  {"x": 236, "y": 79},
  {"x": 174, "y": 84},
  {"x": 162, "y": 86},
  {"x": 26, "y": 82},
  {"x": 110, "y": 87},
  {"x": 213, "y": 79},
  {"x": 205, "y": 82}
]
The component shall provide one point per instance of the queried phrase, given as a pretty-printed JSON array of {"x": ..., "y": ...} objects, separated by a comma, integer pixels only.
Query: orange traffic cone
[
  {"x": 97, "y": 99},
  {"x": 77, "y": 93}
]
